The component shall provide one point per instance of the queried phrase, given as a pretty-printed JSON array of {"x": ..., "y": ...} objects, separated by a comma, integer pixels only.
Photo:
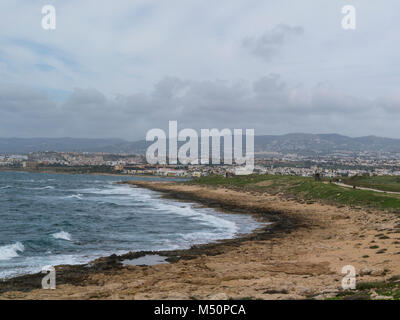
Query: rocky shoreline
[
  {"x": 79, "y": 275},
  {"x": 298, "y": 256}
]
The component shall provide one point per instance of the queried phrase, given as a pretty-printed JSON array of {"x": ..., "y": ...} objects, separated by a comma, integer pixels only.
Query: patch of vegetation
[
  {"x": 304, "y": 189},
  {"x": 365, "y": 290},
  {"x": 384, "y": 183}
]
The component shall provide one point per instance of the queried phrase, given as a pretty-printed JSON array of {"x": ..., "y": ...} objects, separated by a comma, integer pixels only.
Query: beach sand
[{"x": 300, "y": 255}]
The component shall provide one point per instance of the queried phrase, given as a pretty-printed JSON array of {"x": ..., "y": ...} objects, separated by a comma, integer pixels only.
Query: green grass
[
  {"x": 385, "y": 183},
  {"x": 389, "y": 288},
  {"x": 304, "y": 189}
]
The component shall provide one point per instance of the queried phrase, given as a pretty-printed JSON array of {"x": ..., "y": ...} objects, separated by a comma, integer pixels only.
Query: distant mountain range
[
  {"x": 303, "y": 143},
  {"x": 300, "y": 143},
  {"x": 26, "y": 145}
]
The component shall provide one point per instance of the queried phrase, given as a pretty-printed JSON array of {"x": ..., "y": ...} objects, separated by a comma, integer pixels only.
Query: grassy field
[
  {"x": 385, "y": 183},
  {"x": 305, "y": 189}
]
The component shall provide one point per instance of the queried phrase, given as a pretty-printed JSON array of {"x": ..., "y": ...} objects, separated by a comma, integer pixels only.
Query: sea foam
[
  {"x": 62, "y": 235},
  {"x": 41, "y": 188},
  {"x": 75, "y": 196},
  {"x": 10, "y": 251}
]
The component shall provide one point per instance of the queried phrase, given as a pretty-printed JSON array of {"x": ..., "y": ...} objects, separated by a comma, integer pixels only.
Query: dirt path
[
  {"x": 341, "y": 184},
  {"x": 302, "y": 257}
]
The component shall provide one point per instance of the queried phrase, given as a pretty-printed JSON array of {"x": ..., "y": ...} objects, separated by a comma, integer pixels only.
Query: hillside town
[{"x": 274, "y": 164}]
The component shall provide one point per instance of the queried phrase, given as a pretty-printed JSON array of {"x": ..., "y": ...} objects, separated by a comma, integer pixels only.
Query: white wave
[
  {"x": 62, "y": 235},
  {"x": 6, "y": 187},
  {"x": 41, "y": 188},
  {"x": 35, "y": 264},
  {"x": 204, "y": 237},
  {"x": 203, "y": 215},
  {"x": 113, "y": 190},
  {"x": 75, "y": 196},
  {"x": 10, "y": 251},
  {"x": 48, "y": 187},
  {"x": 140, "y": 195}
]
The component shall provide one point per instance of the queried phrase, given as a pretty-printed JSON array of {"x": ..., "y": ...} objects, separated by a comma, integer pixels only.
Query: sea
[{"x": 52, "y": 219}]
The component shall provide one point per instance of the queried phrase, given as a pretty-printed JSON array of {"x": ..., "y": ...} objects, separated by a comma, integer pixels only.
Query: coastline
[
  {"x": 90, "y": 173},
  {"x": 298, "y": 256}
]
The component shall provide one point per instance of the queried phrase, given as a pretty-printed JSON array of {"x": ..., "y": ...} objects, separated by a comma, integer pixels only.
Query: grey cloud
[
  {"x": 270, "y": 43},
  {"x": 124, "y": 48},
  {"x": 389, "y": 105},
  {"x": 86, "y": 97},
  {"x": 169, "y": 87},
  {"x": 269, "y": 105},
  {"x": 23, "y": 100}
]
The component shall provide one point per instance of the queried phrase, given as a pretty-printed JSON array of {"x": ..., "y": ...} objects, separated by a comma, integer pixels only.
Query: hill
[{"x": 300, "y": 143}]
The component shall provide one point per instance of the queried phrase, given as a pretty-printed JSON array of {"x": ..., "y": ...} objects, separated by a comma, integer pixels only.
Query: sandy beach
[{"x": 300, "y": 255}]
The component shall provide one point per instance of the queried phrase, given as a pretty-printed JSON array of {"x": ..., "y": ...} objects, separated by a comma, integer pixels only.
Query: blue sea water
[{"x": 52, "y": 219}]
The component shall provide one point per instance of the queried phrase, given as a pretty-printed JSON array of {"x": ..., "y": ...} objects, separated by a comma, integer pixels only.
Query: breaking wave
[
  {"x": 62, "y": 235},
  {"x": 75, "y": 196},
  {"x": 10, "y": 251}
]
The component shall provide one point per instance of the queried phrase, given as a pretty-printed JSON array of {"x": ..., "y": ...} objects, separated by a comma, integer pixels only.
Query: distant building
[
  {"x": 29, "y": 164},
  {"x": 119, "y": 167},
  {"x": 196, "y": 174}
]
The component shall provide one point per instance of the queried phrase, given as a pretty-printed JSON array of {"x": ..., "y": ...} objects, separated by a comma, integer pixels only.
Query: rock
[
  {"x": 383, "y": 298},
  {"x": 294, "y": 297},
  {"x": 276, "y": 291},
  {"x": 375, "y": 296},
  {"x": 176, "y": 296},
  {"x": 304, "y": 291},
  {"x": 330, "y": 290},
  {"x": 218, "y": 296},
  {"x": 325, "y": 296},
  {"x": 371, "y": 271}
]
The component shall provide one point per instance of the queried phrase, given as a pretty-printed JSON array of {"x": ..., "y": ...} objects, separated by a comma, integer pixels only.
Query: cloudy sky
[{"x": 119, "y": 68}]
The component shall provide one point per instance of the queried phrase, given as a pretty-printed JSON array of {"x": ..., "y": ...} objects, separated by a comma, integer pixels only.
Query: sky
[{"x": 116, "y": 69}]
